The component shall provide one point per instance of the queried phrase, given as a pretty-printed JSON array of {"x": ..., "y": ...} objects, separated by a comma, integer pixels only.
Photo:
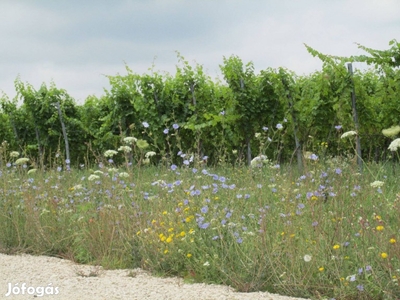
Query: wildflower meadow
[
  {"x": 269, "y": 182},
  {"x": 327, "y": 232}
]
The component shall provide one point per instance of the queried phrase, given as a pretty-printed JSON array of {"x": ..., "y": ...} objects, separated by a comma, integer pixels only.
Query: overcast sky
[{"x": 75, "y": 43}]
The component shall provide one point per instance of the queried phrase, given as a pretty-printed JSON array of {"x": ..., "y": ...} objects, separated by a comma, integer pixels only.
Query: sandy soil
[{"x": 43, "y": 277}]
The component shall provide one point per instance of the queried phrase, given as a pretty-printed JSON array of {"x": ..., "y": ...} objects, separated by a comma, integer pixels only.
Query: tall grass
[{"x": 323, "y": 233}]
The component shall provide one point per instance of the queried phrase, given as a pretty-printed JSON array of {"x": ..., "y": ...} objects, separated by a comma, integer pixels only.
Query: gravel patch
[{"x": 45, "y": 276}]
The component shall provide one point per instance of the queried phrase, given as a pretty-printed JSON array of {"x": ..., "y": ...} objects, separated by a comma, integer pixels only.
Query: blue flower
[
  {"x": 173, "y": 167},
  {"x": 175, "y": 126},
  {"x": 145, "y": 124},
  {"x": 204, "y": 209},
  {"x": 204, "y": 225},
  {"x": 166, "y": 130}
]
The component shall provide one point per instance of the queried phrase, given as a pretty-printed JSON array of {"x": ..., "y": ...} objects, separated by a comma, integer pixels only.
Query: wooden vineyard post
[{"x": 355, "y": 118}]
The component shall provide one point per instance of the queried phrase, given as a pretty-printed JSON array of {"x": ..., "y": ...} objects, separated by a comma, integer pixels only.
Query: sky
[{"x": 75, "y": 44}]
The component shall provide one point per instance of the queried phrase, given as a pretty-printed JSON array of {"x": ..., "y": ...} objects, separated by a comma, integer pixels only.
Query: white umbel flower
[
  {"x": 377, "y": 184},
  {"x": 93, "y": 177},
  {"x": 392, "y": 131},
  {"x": 348, "y": 134},
  {"x": 21, "y": 161},
  {"x": 394, "y": 145},
  {"x": 307, "y": 258},
  {"x": 130, "y": 139},
  {"x": 110, "y": 153},
  {"x": 14, "y": 154}
]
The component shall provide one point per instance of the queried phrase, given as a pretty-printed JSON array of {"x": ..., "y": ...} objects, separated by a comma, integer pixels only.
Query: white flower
[
  {"x": 394, "y": 145},
  {"x": 150, "y": 154},
  {"x": 77, "y": 187},
  {"x": 112, "y": 170},
  {"x": 279, "y": 126},
  {"x": 21, "y": 161},
  {"x": 206, "y": 264},
  {"x": 377, "y": 184},
  {"x": 93, "y": 177},
  {"x": 146, "y": 161},
  {"x": 14, "y": 154},
  {"x": 125, "y": 149},
  {"x": 110, "y": 153},
  {"x": 98, "y": 172},
  {"x": 32, "y": 171},
  {"x": 392, "y": 131},
  {"x": 123, "y": 175},
  {"x": 258, "y": 161},
  {"x": 257, "y": 135},
  {"x": 130, "y": 139},
  {"x": 307, "y": 258},
  {"x": 348, "y": 133},
  {"x": 145, "y": 124}
]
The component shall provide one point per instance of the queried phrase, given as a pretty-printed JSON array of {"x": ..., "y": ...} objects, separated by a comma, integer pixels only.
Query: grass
[{"x": 324, "y": 233}]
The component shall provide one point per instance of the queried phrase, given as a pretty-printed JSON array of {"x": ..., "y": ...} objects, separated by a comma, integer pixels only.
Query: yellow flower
[
  {"x": 164, "y": 212},
  {"x": 182, "y": 234},
  {"x": 188, "y": 255},
  {"x": 292, "y": 235},
  {"x": 216, "y": 198},
  {"x": 321, "y": 269},
  {"x": 153, "y": 222},
  {"x": 336, "y": 247},
  {"x": 169, "y": 239},
  {"x": 191, "y": 231},
  {"x": 392, "y": 241},
  {"x": 138, "y": 233},
  {"x": 314, "y": 198},
  {"x": 170, "y": 229},
  {"x": 166, "y": 251},
  {"x": 380, "y": 228},
  {"x": 384, "y": 255}
]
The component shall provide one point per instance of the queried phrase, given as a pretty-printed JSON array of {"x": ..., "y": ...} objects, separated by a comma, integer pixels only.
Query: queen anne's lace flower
[
  {"x": 130, "y": 140},
  {"x": 377, "y": 184},
  {"x": 392, "y": 131},
  {"x": 348, "y": 133},
  {"x": 394, "y": 145},
  {"x": 21, "y": 161},
  {"x": 110, "y": 153}
]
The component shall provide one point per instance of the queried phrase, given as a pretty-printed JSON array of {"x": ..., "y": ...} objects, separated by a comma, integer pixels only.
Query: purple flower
[
  {"x": 239, "y": 240},
  {"x": 175, "y": 126},
  {"x": 204, "y": 225},
  {"x": 313, "y": 157},
  {"x": 222, "y": 113},
  {"x": 166, "y": 130},
  {"x": 338, "y": 171},
  {"x": 338, "y": 127},
  {"x": 173, "y": 167},
  {"x": 265, "y": 128},
  {"x": 145, "y": 124},
  {"x": 228, "y": 215},
  {"x": 204, "y": 209},
  {"x": 360, "y": 287},
  {"x": 67, "y": 161},
  {"x": 314, "y": 224},
  {"x": 186, "y": 162}
]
